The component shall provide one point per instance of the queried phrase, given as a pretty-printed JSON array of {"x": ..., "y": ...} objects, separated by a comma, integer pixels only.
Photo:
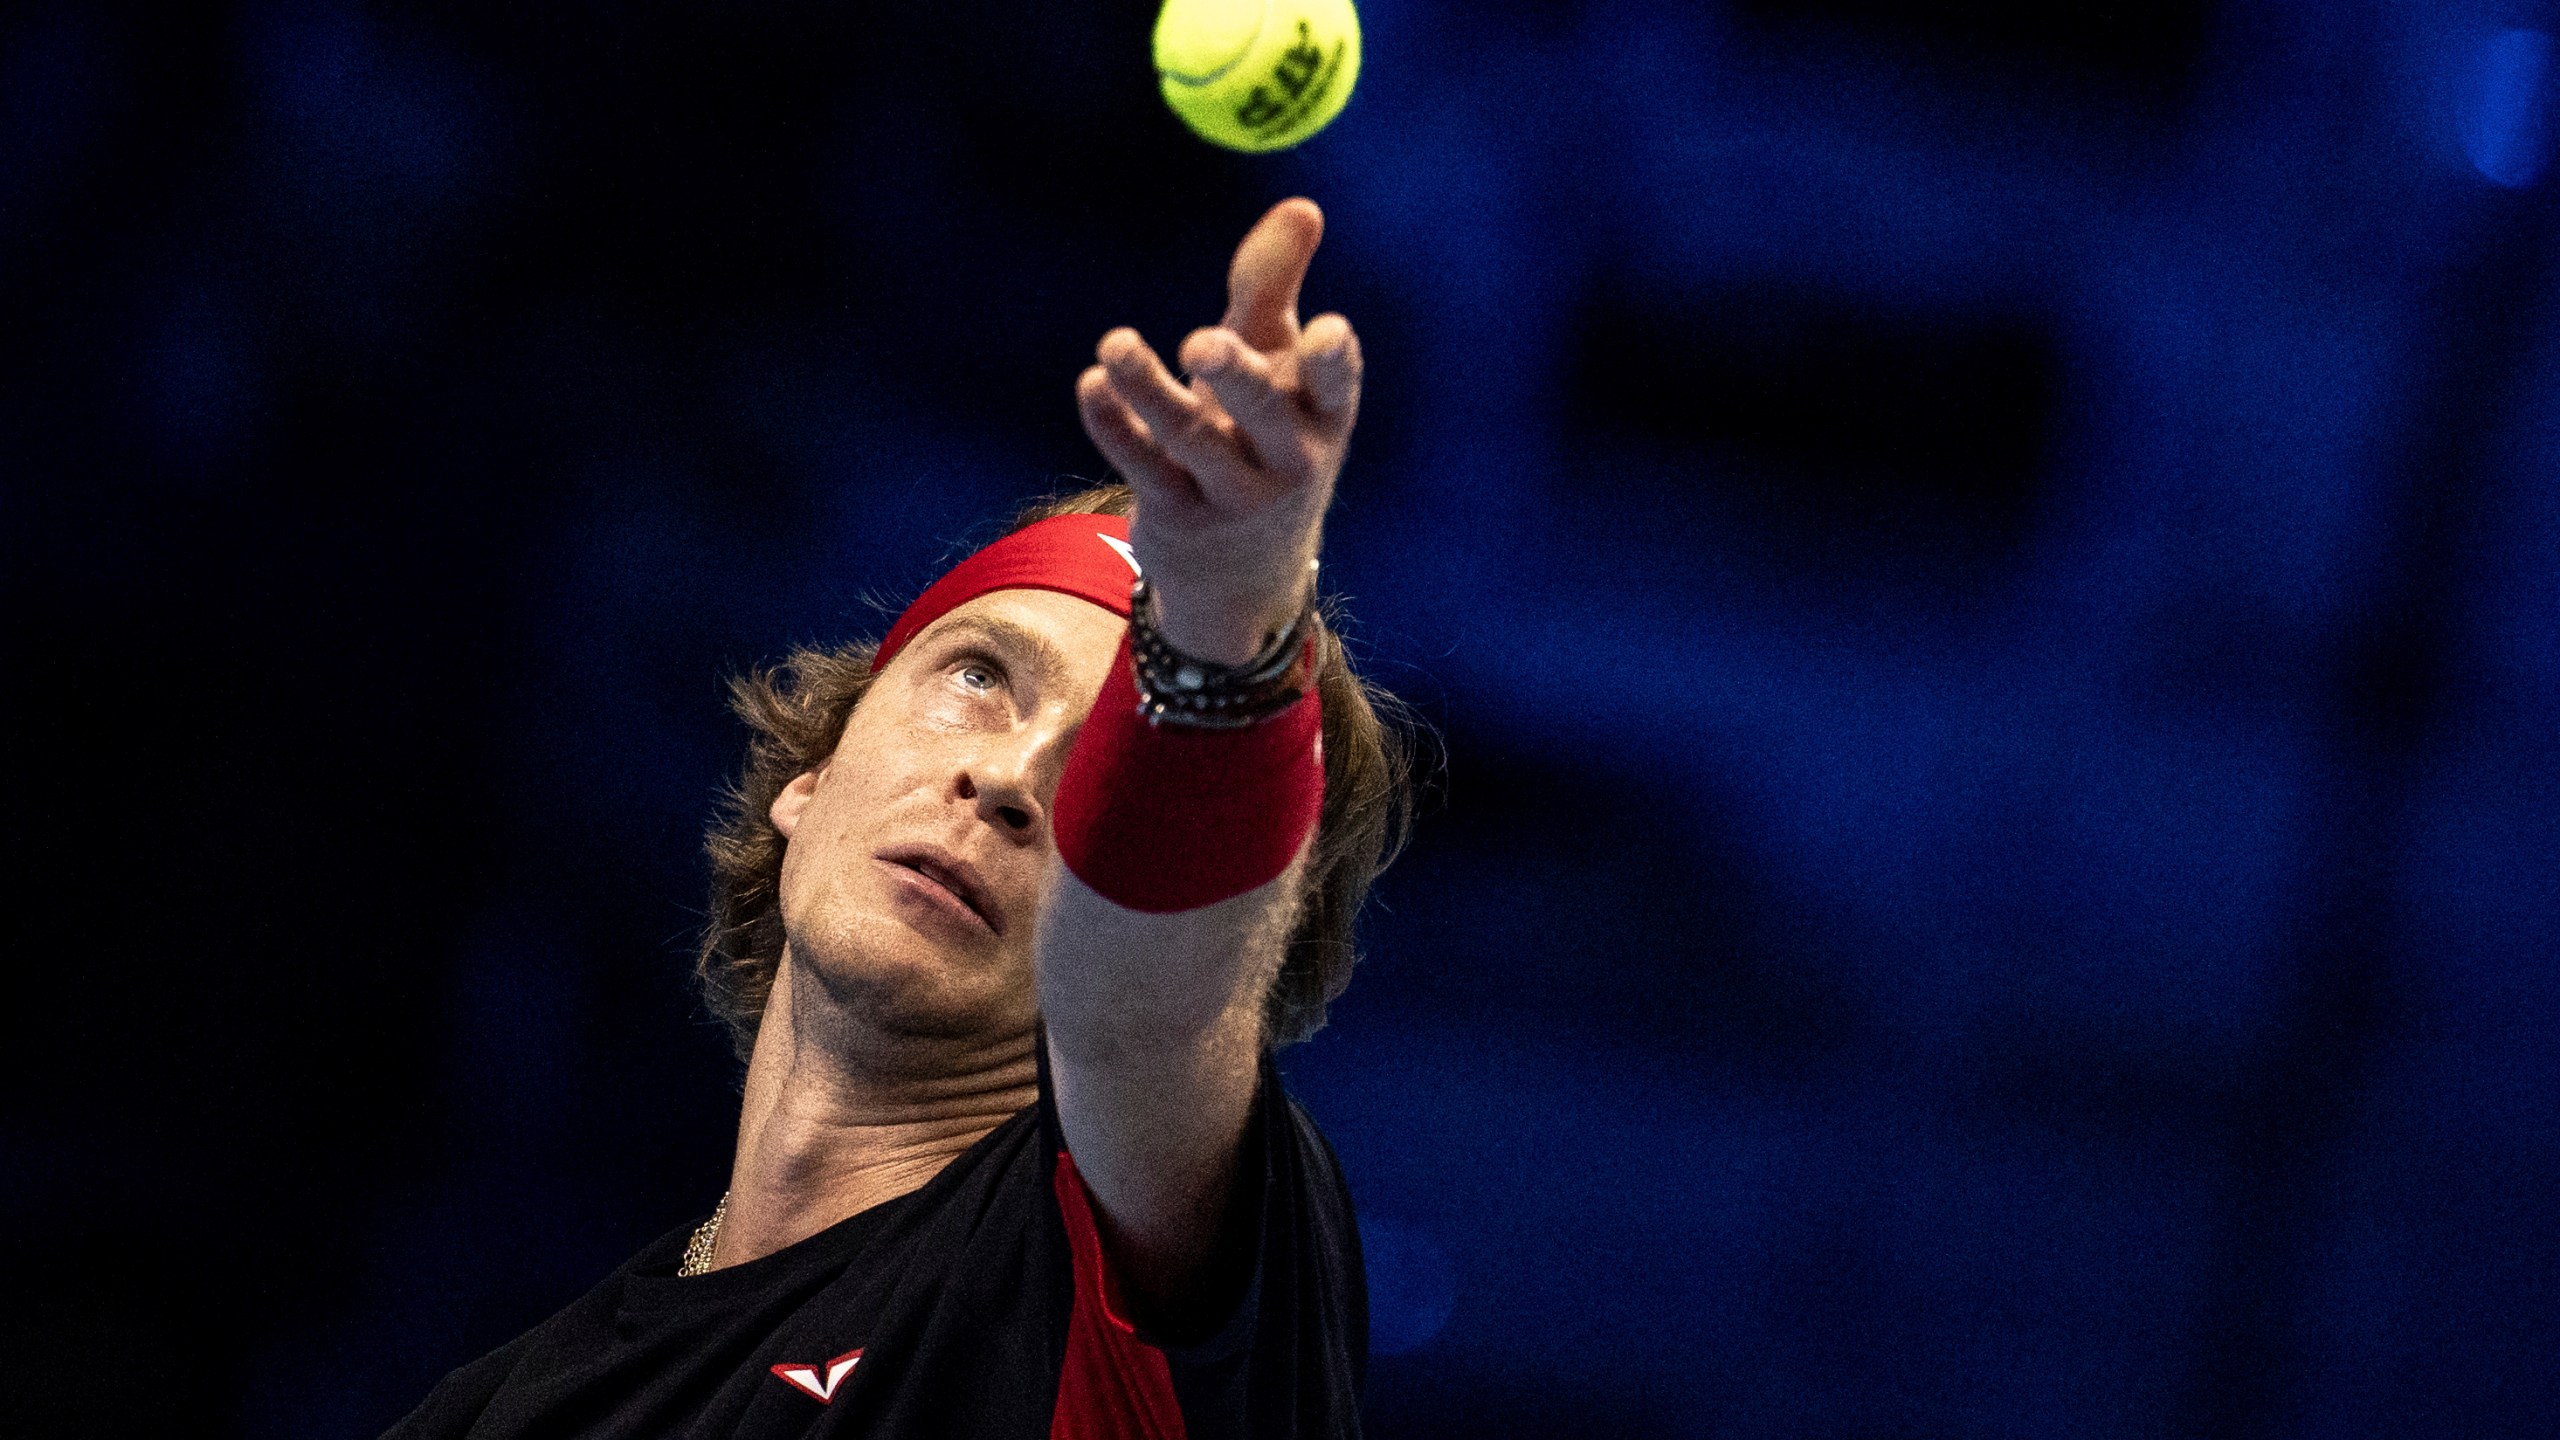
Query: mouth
[{"x": 952, "y": 876}]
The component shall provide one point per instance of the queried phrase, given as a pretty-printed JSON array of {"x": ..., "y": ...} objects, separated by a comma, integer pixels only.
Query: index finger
[{"x": 1270, "y": 264}]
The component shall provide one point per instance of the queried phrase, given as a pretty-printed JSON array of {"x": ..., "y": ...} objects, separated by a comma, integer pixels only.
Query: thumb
[{"x": 1263, "y": 280}]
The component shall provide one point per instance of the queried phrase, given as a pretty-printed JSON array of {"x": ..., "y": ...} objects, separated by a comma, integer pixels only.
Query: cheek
[
  {"x": 816, "y": 848},
  {"x": 866, "y": 787},
  {"x": 831, "y": 822}
]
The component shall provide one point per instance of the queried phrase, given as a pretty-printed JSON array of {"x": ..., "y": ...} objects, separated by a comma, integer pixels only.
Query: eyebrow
[{"x": 1048, "y": 662}]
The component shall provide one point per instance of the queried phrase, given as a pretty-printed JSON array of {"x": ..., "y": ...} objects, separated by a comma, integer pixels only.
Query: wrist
[
  {"x": 1182, "y": 689},
  {"x": 1227, "y": 628},
  {"x": 1166, "y": 818}
]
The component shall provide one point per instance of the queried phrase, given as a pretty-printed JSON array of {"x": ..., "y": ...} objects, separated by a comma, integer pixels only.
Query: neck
[{"x": 834, "y": 1123}]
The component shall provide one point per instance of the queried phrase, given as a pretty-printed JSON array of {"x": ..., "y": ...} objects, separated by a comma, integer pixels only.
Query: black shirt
[{"x": 974, "y": 1306}]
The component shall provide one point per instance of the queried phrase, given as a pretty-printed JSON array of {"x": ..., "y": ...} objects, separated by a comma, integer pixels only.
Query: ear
[{"x": 795, "y": 797}]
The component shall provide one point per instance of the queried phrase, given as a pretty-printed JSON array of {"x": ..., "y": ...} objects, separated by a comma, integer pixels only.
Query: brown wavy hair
[{"x": 795, "y": 713}]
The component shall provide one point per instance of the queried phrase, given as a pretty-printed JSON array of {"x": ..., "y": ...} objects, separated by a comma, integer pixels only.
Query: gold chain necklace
[{"x": 697, "y": 1251}]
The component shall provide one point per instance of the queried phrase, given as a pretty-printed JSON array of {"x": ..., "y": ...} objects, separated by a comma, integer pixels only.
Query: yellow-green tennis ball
[{"x": 1257, "y": 74}]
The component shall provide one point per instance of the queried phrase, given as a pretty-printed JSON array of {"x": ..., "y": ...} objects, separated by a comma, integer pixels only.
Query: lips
[{"x": 953, "y": 874}]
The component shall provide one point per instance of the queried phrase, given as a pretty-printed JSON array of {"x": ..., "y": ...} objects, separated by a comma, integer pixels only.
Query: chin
[{"x": 888, "y": 979}]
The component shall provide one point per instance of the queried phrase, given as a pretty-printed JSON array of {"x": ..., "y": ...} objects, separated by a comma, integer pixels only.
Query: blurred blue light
[
  {"x": 2506, "y": 134},
  {"x": 1412, "y": 1287}
]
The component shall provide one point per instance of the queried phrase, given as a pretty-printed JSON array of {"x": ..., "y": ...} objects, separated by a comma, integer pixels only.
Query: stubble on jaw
[{"x": 898, "y": 1020}]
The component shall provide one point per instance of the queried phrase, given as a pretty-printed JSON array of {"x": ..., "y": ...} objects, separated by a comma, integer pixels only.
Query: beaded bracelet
[{"x": 1174, "y": 688}]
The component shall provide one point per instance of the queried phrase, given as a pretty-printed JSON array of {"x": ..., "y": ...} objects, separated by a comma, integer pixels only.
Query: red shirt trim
[{"x": 1114, "y": 1385}]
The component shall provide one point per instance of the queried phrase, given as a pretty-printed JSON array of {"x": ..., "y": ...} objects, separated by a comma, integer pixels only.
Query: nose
[
  {"x": 1010, "y": 813},
  {"x": 1009, "y": 781}
]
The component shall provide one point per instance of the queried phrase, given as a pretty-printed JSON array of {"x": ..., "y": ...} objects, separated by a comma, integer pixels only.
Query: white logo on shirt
[{"x": 806, "y": 1378}]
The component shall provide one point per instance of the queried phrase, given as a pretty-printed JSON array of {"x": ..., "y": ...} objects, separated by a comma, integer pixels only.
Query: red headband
[{"x": 1086, "y": 556}]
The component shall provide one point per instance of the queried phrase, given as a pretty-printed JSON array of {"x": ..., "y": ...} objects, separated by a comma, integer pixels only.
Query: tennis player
[{"x": 1010, "y": 912}]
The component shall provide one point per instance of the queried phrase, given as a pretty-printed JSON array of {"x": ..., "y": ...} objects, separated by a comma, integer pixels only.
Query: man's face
[{"x": 917, "y": 852}]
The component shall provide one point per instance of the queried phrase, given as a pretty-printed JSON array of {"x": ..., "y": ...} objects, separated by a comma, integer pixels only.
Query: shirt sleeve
[{"x": 1287, "y": 1361}]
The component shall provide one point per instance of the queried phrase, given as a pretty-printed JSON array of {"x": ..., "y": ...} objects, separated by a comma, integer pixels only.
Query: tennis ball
[{"x": 1257, "y": 74}]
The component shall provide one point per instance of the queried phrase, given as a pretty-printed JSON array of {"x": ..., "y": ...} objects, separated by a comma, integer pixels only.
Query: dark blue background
[{"x": 1991, "y": 580}]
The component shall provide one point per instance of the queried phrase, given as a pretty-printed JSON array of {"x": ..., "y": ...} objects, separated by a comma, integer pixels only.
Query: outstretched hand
[{"x": 1233, "y": 470}]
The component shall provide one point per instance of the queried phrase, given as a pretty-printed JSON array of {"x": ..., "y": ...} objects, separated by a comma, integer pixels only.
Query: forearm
[
  {"x": 1155, "y": 1040},
  {"x": 1169, "y": 911},
  {"x": 1116, "y": 982}
]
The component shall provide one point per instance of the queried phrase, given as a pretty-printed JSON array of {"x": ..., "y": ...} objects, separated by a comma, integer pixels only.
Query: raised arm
[{"x": 1155, "y": 1019}]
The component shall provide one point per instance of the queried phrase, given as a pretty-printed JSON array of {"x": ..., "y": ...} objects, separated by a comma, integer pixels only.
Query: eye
[{"x": 979, "y": 675}]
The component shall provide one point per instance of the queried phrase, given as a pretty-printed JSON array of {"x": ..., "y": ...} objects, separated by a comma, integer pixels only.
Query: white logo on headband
[{"x": 1122, "y": 547}]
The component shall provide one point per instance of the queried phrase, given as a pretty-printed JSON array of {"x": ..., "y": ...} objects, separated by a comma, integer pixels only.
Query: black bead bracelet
[{"x": 1175, "y": 689}]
